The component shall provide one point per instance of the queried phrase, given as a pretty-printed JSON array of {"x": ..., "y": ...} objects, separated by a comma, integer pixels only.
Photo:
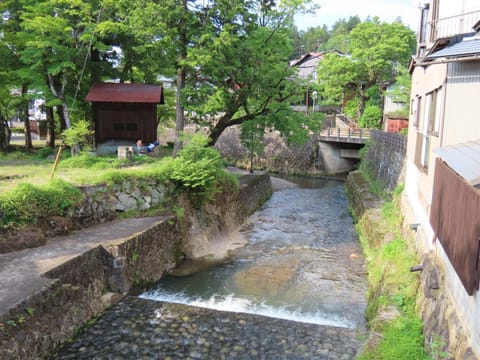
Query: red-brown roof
[{"x": 129, "y": 93}]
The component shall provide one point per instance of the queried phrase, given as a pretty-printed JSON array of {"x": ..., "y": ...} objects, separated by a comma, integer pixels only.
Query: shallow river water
[{"x": 296, "y": 291}]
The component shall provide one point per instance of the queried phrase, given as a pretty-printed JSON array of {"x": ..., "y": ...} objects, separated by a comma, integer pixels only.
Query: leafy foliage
[
  {"x": 27, "y": 203},
  {"x": 352, "y": 108},
  {"x": 376, "y": 51},
  {"x": 371, "y": 117},
  {"x": 400, "y": 92},
  {"x": 252, "y": 137},
  {"x": 199, "y": 169},
  {"x": 78, "y": 135}
]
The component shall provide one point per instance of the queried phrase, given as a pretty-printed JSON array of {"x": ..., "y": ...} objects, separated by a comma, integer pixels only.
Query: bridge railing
[{"x": 338, "y": 134}]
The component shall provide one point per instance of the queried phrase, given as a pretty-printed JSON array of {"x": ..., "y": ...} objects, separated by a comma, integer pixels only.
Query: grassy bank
[
  {"x": 29, "y": 196},
  {"x": 395, "y": 329}
]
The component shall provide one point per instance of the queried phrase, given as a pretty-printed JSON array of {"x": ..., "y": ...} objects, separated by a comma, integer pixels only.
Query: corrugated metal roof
[
  {"x": 464, "y": 159},
  {"x": 466, "y": 47},
  {"x": 129, "y": 93}
]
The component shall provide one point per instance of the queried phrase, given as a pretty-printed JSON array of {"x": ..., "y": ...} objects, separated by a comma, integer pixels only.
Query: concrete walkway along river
[{"x": 296, "y": 291}]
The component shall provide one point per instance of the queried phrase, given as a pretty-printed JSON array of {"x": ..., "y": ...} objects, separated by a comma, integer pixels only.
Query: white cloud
[{"x": 387, "y": 10}]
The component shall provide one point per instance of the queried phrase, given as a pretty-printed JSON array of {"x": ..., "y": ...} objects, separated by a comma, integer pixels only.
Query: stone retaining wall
[
  {"x": 386, "y": 158},
  {"x": 101, "y": 202},
  {"x": 83, "y": 287},
  {"x": 277, "y": 157}
]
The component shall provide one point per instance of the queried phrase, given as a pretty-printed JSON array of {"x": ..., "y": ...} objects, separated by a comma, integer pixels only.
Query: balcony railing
[{"x": 454, "y": 25}]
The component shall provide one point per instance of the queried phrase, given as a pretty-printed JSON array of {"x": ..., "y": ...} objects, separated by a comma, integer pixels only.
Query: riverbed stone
[{"x": 263, "y": 338}]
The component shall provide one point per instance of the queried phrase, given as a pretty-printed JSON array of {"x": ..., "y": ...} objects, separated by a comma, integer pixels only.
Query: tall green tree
[
  {"x": 17, "y": 78},
  {"x": 57, "y": 37},
  {"x": 376, "y": 51},
  {"x": 239, "y": 68},
  {"x": 252, "y": 136}
]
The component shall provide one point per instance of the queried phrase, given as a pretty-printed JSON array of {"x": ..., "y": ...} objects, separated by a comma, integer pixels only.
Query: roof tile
[{"x": 122, "y": 92}]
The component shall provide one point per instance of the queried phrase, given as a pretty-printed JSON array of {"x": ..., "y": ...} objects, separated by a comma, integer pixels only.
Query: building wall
[
  {"x": 125, "y": 121},
  {"x": 463, "y": 82},
  {"x": 419, "y": 182},
  {"x": 458, "y": 85}
]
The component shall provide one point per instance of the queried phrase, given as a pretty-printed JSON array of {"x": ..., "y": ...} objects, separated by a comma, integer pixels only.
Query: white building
[{"x": 443, "y": 162}]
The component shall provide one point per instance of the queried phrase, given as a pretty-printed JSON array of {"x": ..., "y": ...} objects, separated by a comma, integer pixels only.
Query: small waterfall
[{"x": 303, "y": 263}]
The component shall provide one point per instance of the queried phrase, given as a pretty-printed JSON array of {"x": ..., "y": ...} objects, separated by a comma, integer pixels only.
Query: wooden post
[{"x": 57, "y": 160}]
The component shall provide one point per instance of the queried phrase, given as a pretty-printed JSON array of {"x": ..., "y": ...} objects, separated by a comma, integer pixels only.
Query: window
[
  {"x": 415, "y": 110},
  {"x": 424, "y": 24},
  {"x": 425, "y": 151},
  {"x": 434, "y": 112},
  {"x": 118, "y": 126},
  {"x": 436, "y": 118},
  {"x": 429, "y": 127},
  {"x": 131, "y": 127}
]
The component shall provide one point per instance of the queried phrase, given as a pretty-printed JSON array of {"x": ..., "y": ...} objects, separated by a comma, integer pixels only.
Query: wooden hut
[{"x": 125, "y": 112}]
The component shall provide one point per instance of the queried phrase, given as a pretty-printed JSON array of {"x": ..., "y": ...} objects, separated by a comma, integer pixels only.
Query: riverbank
[
  {"x": 303, "y": 264},
  {"x": 394, "y": 326},
  {"x": 76, "y": 281}
]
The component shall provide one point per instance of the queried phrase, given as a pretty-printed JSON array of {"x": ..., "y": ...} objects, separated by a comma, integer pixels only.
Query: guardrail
[
  {"x": 345, "y": 135},
  {"x": 453, "y": 25}
]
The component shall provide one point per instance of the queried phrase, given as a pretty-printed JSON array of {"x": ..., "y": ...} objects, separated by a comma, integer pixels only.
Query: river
[{"x": 296, "y": 291}]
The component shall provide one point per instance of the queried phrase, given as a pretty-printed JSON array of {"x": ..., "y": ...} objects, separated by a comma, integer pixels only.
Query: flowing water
[{"x": 303, "y": 262}]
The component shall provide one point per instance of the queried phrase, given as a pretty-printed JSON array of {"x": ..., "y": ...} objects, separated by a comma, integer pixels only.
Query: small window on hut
[
  {"x": 118, "y": 126},
  {"x": 131, "y": 127}
]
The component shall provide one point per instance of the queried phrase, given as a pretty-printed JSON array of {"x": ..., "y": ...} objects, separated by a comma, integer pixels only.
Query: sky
[{"x": 387, "y": 10}]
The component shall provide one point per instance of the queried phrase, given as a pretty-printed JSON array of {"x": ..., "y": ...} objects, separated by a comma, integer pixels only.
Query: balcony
[{"x": 454, "y": 25}]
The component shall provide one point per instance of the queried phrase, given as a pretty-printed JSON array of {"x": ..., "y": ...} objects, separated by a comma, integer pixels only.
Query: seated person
[
  {"x": 150, "y": 147},
  {"x": 139, "y": 148}
]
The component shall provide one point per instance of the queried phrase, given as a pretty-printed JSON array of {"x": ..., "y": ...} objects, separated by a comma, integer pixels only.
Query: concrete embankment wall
[
  {"x": 83, "y": 287},
  {"x": 441, "y": 316}
]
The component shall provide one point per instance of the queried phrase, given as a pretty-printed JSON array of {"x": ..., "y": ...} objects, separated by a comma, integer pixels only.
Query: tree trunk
[
  {"x": 215, "y": 133},
  {"x": 63, "y": 124},
  {"x": 5, "y": 133},
  {"x": 60, "y": 94},
  {"x": 181, "y": 75},
  {"x": 50, "y": 127},
  {"x": 25, "y": 119},
  {"x": 180, "y": 114}
]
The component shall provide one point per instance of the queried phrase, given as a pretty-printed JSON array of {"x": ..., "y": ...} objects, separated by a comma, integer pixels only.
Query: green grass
[
  {"x": 28, "y": 195},
  {"x": 392, "y": 286},
  {"x": 36, "y": 167}
]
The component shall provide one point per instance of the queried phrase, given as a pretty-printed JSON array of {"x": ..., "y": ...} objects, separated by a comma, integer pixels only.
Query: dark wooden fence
[{"x": 455, "y": 218}]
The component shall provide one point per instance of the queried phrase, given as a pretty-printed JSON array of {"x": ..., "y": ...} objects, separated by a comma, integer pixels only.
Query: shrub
[
  {"x": 78, "y": 135},
  {"x": 351, "y": 108},
  {"x": 198, "y": 169},
  {"x": 29, "y": 204},
  {"x": 371, "y": 117}
]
